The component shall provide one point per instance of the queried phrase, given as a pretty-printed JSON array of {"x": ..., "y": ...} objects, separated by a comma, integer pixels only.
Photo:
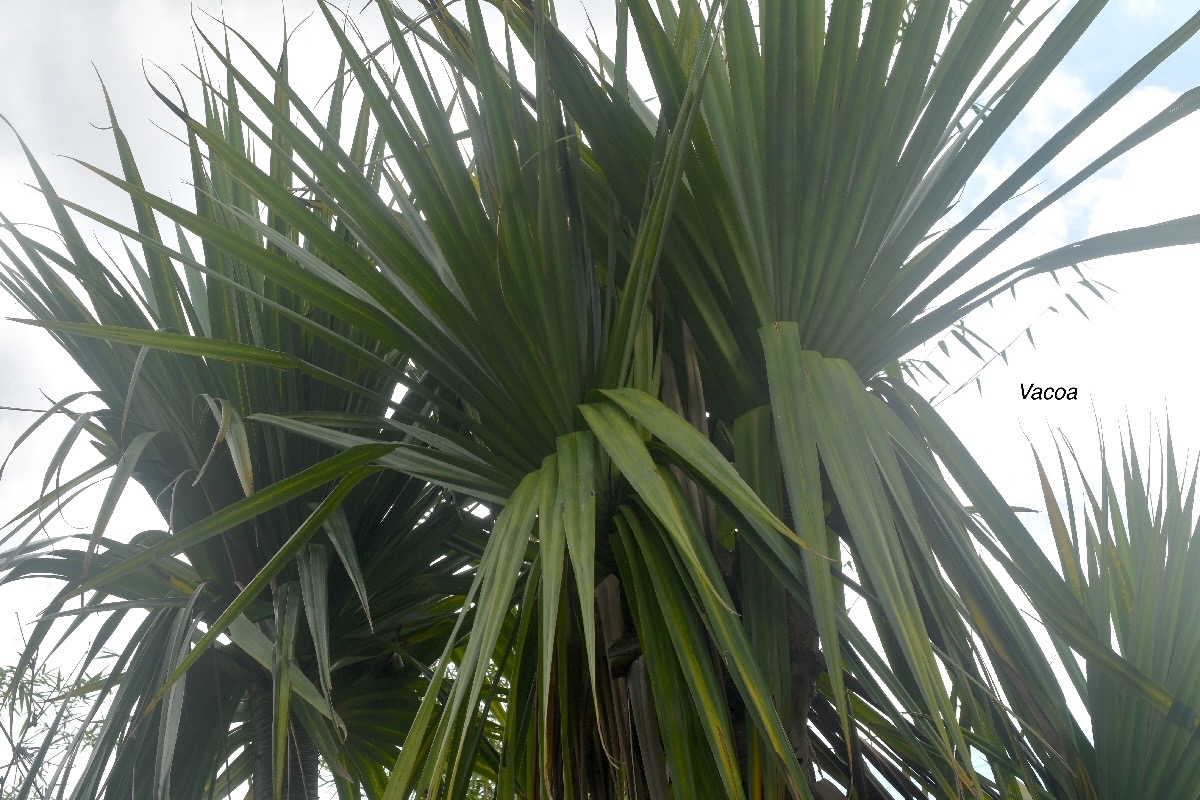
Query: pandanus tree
[
  {"x": 295, "y": 578},
  {"x": 1128, "y": 551},
  {"x": 663, "y": 344}
]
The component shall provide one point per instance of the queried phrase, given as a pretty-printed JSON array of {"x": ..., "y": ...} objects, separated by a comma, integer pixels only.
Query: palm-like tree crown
[{"x": 661, "y": 345}]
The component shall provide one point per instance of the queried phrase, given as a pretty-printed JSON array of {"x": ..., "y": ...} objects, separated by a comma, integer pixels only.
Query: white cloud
[
  {"x": 1134, "y": 356},
  {"x": 1141, "y": 7}
]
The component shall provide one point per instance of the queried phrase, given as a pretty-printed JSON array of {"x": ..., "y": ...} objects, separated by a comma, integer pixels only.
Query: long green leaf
[
  {"x": 263, "y": 500},
  {"x": 270, "y": 570}
]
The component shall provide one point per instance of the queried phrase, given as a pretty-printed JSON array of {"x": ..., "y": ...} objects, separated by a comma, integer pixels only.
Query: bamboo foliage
[{"x": 661, "y": 344}]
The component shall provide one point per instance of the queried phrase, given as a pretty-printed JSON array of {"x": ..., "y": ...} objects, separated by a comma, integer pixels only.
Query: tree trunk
[
  {"x": 808, "y": 662},
  {"x": 300, "y": 766}
]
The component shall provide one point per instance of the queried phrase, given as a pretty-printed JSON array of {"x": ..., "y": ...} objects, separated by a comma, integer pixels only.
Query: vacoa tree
[{"x": 658, "y": 348}]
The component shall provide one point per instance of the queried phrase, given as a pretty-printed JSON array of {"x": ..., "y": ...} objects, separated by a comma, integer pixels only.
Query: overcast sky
[{"x": 1132, "y": 361}]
